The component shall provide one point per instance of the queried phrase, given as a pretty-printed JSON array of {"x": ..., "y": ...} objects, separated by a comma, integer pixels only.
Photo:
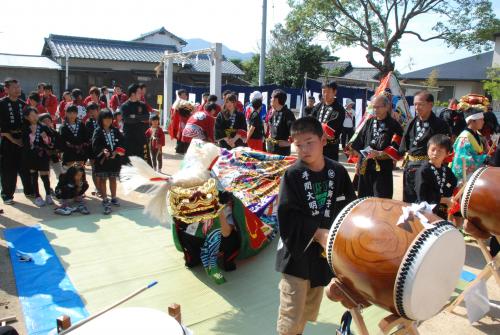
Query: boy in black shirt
[
  {"x": 312, "y": 192},
  {"x": 435, "y": 182}
]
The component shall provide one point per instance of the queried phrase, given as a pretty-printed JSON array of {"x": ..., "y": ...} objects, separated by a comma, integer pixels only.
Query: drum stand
[
  {"x": 492, "y": 268},
  {"x": 391, "y": 324}
]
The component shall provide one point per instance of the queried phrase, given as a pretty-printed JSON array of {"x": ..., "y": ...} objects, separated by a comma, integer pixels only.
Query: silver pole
[
  {"x": 168, "y": 79},
  {"x": 67, "y": 72},
  {"x": 262, "y": 66}
]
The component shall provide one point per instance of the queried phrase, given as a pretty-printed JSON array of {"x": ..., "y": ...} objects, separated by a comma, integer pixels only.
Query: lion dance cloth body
[{"x": 216, "y": 189}]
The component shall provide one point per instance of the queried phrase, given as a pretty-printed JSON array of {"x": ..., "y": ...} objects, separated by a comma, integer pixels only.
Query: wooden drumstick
[{"x": 127, "y": 298}]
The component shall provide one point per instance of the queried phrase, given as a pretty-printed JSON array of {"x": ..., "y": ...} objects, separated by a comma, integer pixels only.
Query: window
[{"x": 446, "y": 93}]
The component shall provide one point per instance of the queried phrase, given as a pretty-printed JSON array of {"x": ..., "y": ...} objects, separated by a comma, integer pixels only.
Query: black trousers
[
  {"x": 191, "y": 245},
  {"x": 11, "y": 165},
  {"x": 409, "y": 193},
  {"x": 331, "y": 150},
  {"x": 346, "y": 135},
  {"x": 376, "y": 183}
]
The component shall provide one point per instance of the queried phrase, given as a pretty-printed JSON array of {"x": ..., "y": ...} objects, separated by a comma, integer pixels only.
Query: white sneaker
[
  {"x": 63, "y": 211},
  {"x": 48, "y": 200},
  {"x": 39, "y": 202}
]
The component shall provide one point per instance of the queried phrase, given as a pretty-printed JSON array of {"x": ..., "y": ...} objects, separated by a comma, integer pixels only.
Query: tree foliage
[
  {"x": 378, "y": 25},
  {"x": 291, "y": 55},
  {"x": 492, "y": 85},
  {"x": 432, "y": 80}
]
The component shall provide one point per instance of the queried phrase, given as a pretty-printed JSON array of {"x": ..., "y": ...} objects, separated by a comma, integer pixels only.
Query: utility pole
[
  {"x": 66, "y": 85},
  {"x": 262, "y": 67}
]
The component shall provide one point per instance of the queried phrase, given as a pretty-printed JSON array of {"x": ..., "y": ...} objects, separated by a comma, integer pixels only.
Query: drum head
[
  {"x": 430, "y": 272},
  {"x": 131, "y": 321}
]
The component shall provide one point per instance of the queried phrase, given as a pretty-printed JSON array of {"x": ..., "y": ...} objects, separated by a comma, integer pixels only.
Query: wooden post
[
  {"x": 174, "y": 311},
  {"x": 63, "y": 322}
]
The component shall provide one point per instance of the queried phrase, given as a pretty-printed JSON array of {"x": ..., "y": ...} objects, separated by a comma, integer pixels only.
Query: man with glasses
[
  {"x": 377, "y": 146},
  {"x": 415, "y": 138}
]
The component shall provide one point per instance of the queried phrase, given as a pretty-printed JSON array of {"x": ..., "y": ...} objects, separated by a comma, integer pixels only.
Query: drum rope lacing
[{"x": 408, "y": 262}]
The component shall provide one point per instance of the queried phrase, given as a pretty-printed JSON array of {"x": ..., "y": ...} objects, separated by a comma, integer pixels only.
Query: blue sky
[{"x": 235, "y": 23}]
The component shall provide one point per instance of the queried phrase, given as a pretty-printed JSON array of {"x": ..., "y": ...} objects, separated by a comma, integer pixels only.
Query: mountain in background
[{"x": 198, "y": 43}]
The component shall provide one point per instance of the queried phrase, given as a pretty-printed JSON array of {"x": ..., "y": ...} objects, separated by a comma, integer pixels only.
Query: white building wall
[
  {"x": 461, "y": 88},
  {"x": 496, "y": 54},
  {"x": 161, "y": 39}
]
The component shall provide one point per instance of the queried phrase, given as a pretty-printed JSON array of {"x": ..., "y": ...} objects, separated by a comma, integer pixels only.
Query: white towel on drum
[{"x": 417, "y": 210}]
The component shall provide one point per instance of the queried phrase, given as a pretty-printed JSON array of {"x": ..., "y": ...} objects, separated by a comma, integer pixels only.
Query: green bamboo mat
[{"x": 109, "y": 257}]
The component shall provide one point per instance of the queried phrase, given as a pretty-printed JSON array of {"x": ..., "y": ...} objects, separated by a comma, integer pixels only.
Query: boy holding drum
[{"x": 312, "y": 192}]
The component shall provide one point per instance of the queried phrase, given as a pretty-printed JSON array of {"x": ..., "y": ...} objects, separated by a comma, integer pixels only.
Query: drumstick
[{"x": 82, "y": 322}]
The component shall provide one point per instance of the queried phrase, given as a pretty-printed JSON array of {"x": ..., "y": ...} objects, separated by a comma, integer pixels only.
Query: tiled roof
[
  {"x": 470, "y": 68},
  {"x": 28, "y": 61},
  {"x": 161, "y": 31},
  {"x": 203, "y": 65},
  {"x": 95, "y": 48},
  {"x": 337, "y": 66},
  {"x": 56, "y": 46},
  {"x": 362, "y": 73}
]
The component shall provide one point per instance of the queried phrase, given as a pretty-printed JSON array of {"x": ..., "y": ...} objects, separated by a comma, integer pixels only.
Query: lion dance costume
[{"x": 222, "y": 203}]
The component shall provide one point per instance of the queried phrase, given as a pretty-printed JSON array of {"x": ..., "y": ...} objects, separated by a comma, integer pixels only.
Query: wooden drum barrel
[
  {"x": 407, "y": 269},
  {"x": 481, "y": 199}
]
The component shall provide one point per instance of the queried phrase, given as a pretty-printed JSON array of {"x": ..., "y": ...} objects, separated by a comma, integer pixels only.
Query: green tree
[
  {"x": 251, "y": 69},
  {"x": 378, "y": 25},
  {"x": 432, "y": 80},
  {"x": 492, "y": 85},
  {"x": 291, "y": 55}
]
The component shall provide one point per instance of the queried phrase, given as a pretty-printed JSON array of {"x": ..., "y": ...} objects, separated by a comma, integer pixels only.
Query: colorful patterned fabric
[
  {"x": 253, "y": 177},
  {"x": 472, "y": 152}
]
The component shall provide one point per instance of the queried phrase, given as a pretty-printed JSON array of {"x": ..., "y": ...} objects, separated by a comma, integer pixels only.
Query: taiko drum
[{"x": 409, "y": 269}]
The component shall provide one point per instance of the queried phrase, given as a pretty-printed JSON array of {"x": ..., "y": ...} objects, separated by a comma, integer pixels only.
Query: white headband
[{"x": 477, "y": 116}]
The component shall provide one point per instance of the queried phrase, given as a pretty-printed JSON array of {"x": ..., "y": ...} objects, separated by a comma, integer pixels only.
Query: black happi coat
[
  {"x": 91, "y": 126},
  {"x": 256, "y": 121},
  {"x": 333, "y": 115},
  {"x": 297, "y": 224},
  {"x": 388, "y": 128},
  {"x": 435, "y": 126},
  {"x": 373, "y": 182},
  {"x": 135, "y": 124},
  {"x": 281, "y": 131},
  {"x": 74, "y": 148},
  {"x": 224, "y": 127},
  {"x": 428, "y": 189},
  {"x": 454, "y": 119},
  {"x": 36, "y": 155},
  {"x": 99, "y": 143},
  {"x": 11, "y": 116}
]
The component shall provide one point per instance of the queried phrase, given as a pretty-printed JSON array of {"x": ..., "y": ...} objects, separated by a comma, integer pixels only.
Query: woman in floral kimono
[{"x": 470, "y": 146}]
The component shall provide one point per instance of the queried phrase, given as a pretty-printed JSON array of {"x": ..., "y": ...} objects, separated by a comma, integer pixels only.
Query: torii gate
[{"x": 215, "y": 55}]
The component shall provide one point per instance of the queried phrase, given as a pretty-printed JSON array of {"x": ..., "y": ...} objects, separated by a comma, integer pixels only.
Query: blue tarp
[{"x": 44, "y": 289}]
